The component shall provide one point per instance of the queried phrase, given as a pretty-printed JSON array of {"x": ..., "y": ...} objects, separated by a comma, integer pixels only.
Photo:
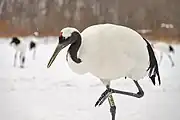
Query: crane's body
[
  {"x": 164, "y": 48},
  {"x": 33, "y": 44},
  {"x": 20, "y": 50},
  {"x": 111, "y": 55},
  {"x": 109, "y": 52}
]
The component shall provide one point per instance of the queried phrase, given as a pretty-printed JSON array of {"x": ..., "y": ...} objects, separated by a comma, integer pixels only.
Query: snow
[{"x": 38, "y": 93}]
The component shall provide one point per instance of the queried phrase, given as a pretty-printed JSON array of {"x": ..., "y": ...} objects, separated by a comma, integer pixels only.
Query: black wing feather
[{"x": 153, "y": 66}]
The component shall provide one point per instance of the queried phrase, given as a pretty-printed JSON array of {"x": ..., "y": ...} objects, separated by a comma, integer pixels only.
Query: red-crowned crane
[
  {"x": 166, "y": 49},
  {"x": 109, "y": 52},
  {"x": 33, "y": 44},
  {"x": 20, "y": 46}
]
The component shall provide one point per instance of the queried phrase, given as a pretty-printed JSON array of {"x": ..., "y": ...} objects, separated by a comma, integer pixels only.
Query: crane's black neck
[{"x": 73, "y": 49}]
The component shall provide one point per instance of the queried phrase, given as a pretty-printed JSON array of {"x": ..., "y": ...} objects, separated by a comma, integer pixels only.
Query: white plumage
[
  {"x": 109, "y": 52},
  {"x": 33, "y": 44},
  {"x": 20, "y": 47},
  {"x": 164, "y": 48}
]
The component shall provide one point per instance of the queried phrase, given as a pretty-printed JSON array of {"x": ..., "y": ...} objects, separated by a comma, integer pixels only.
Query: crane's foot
[
  {"x": 108, "y": 94},
  {"x": 109, "y": 91},
  {"x": 103, "y": 97}
]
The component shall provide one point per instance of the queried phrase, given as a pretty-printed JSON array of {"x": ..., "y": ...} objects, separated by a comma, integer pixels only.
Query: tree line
[{"x": 50, "y": 16}]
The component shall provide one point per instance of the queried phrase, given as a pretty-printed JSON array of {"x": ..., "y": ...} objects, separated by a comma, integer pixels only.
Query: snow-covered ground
[{"x": 38, "y": 93}]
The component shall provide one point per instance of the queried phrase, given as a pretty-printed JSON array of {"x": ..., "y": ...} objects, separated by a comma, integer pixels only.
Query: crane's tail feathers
[
  {"x": 153, "y": 66},
  {"x": 32, "y": 45},
  {"x": 171, "y": 49}
]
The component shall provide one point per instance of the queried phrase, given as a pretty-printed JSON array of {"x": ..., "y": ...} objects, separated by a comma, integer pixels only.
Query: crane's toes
[{"x": 103, "y": 97}]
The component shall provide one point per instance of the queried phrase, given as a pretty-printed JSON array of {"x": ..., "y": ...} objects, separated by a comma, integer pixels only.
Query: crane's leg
[
  {"x": 160, "y": 59},
  {"x": 34, "y": 54},
  {"x": 111, "y": 101},
  {"x": 15, "y": 57},
  {"x": 170, "y": 58},
  {"x": 112, "y": 106},
  {"x": 108, "y": 91},
  {"x": 22, "y": 60}
]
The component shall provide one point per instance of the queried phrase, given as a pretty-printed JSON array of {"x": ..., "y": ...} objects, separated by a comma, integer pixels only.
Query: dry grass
[{"x": 6, "y": 30}]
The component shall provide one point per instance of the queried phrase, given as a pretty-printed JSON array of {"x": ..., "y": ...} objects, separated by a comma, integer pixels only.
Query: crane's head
[
  {"x": 67, "y": 36},
  {"x": 36, "y": 33}
]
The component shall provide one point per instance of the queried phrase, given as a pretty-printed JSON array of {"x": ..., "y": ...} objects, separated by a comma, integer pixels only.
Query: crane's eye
[
  {"x": 61, "y": 38},
  {"x": 60, "y": 35}
]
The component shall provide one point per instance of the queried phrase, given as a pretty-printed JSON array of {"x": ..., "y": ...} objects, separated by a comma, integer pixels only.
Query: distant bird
[
  {"x": 109, "y": 52},
  {"x": 20, "y": 46},
  {"x": 166, "y": 49},
  {"x": 33, "y": 44}
]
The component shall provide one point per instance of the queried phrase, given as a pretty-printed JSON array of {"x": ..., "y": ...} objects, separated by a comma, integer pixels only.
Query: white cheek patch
[{"x": 66, "y": 32}]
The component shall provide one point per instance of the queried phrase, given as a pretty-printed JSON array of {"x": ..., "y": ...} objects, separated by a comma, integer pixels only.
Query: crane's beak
[
  {"x": 57, "y": 50},
  {"x": 62, "y": 44}
]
